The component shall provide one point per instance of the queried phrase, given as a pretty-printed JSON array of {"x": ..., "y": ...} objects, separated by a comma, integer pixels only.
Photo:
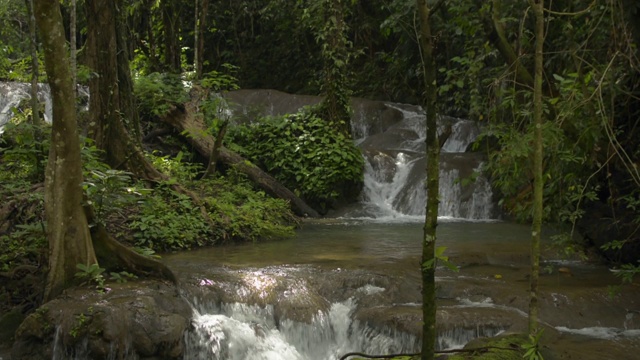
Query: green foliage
[
  {"x": 91, "y": 274},
  {"x": 221, "y": 81},
  {"x": 24, "y": 246},
  {"x": 24, "y": 147},
  {"x": 306, "y": 154},
  {"x": 327, "y": 19},
  {"x": 158, "y": 93},
  {"x": 111, "y": 190},
  {"x": 176, "y": 167},
  {"x": 532, "y": 347},
  {"x": 243, "y": 213},
  {"x": 94, "y": 274},
  {"x": 169, "y": 221}
]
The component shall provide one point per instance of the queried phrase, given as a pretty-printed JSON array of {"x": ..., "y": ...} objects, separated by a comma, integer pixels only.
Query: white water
[
  {"x": 395, "y": 172},
  {"x": 248, "y": 332},
  {"x": 13, "y": 93}
]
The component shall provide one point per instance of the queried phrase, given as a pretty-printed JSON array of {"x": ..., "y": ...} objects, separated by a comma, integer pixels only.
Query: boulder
[{"x": 142, "y": 320}]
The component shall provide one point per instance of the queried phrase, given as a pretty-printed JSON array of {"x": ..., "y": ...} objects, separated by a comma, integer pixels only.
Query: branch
[
  {"x": 577, "y": 13},
  {"x": 453, "y": 351}
]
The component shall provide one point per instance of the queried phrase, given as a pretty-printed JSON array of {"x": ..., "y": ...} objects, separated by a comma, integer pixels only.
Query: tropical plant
[{"x": 307, "y": 154}]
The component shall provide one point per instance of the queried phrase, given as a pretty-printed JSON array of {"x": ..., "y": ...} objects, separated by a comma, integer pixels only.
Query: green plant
[
  {"x": 111, "y": 190},
  {"x": 176, "y": 166},
  {"x": 24, "y": 147},
  {"x": 158, "y": 93},
  {"x": 168, "y": 221},
  {"x": 24, "y": 246},
  {"x": 91, "y": 274},
  {"x": 532, "y": 347},
  {"x": 307, "y": 154}
]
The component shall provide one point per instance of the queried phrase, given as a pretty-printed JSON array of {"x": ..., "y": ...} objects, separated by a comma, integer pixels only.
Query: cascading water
[
  {"x": 13, "y": 93},
  {"x": 396, "y": 170},
  {"x": 248, "y": 332}
]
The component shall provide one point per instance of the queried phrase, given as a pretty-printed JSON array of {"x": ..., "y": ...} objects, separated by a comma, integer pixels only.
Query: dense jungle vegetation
[{"x": 180, "y": 55}]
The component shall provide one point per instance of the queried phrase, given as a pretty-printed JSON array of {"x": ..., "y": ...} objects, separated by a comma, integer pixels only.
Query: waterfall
[
  {"x": 246, "y": 332},
  {"x": 395, "y": 170},
  {"x": 13, "y": 93}
]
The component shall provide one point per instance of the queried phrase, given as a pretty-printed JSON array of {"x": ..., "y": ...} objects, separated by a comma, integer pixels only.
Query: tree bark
[
  {"x": 72, "y": 44},
  {"x": 111, "y": 88},
  {"x": 538, "y": 180},
  {"x": 202, "y": 7},
  {"x": 194, "y": 131},
  {"x": 432, "y": 184},
  {"x": 67, "y": 227},
  {"x": 170, "y": 20},
  {"x": 35, "y": 104}
]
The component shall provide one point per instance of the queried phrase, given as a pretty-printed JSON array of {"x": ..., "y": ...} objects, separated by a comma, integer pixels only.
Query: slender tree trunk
[
  {"x": 35, "y": 71},
  {"x": 432, "y": 185},
  {"x": 67, "y": 227},
  {"x": 170, "y": 20},
  {"x": 202, "y": 7},
  {"x": 538, "y": 182}
]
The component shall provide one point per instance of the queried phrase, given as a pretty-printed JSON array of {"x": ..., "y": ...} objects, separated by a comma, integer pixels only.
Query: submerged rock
[{"x": 141, "y": 320}]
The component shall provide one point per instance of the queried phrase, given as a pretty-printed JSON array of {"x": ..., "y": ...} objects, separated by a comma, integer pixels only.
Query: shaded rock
[{"x": 141, "y": 320}]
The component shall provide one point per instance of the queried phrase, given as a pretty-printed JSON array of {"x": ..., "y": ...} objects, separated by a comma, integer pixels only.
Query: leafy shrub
[
  {"x": 307, "y": 154},
  {"x": 169, "y": 221},
  {"x": 243, "y": 213},
  {"x": 157, "y": 93},
  {"x": 24, "y": 246}
]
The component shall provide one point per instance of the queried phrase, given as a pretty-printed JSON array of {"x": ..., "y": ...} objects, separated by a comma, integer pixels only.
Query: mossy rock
[{"x": 505, "y": 347}]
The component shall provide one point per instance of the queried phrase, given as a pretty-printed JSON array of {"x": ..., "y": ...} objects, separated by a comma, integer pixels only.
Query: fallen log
[{"x": 194, "y": 130}]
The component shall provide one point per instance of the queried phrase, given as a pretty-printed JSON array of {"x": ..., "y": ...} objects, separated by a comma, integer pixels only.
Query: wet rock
[{"x": 142, "y": 320}]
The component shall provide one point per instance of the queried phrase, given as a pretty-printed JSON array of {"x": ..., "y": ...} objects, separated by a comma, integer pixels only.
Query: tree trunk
[
  {"x": 170, "y": 20},
  {"x": 194, "y": 131},
  {"x": 202, "y": 7},
  {"x": 72, "y": 43},
  {"x": 432, "y": 184},
  {"x": 538, "y": 181},
  {"x": 35, "y": 104},
  {"x": 67, "y": 227},
  {"x": 113, "y": 112}
]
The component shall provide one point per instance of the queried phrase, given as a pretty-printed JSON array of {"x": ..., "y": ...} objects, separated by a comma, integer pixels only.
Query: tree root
[{"x": 111, "y": 254}]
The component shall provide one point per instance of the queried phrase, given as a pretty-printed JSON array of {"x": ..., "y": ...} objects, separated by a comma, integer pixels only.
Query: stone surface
[{"x": 141, "y": 319}]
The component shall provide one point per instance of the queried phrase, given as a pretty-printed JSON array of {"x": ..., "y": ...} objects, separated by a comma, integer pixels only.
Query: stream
[{"x": 354, "y": 285}]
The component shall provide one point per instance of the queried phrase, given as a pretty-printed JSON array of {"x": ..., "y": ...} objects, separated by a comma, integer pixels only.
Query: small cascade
[
  {"x": 13, "y": 93},
  {"x": 240, "y": 331},
  {"x": 395, "y": 170}
]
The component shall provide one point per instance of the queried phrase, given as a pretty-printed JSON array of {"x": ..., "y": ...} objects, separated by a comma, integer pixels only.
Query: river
[{"x": 354, "y": 285}]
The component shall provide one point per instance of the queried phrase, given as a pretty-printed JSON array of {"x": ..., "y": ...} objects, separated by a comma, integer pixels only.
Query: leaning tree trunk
[
  {"x": 538, "y": 181},
  {"x": 432, "y": 184},
  {"x": 195, "y": 133},
  {"x": 67, "y": 227}
]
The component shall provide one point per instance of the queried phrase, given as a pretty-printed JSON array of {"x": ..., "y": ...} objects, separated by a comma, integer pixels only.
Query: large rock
[{"x": 141, "y": 320}]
